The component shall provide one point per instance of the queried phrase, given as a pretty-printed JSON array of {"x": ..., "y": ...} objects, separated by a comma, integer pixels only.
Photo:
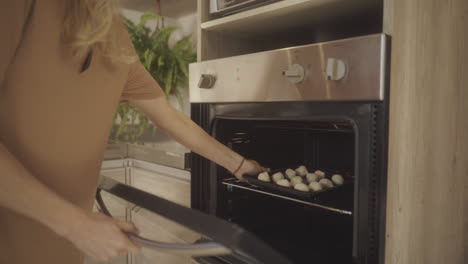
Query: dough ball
[
  {"x": 284, "y": 182},
  {"x": 315, "y": 186},
  {"x": 277, "y": 176},
  {"x": 312, "y": 177},
  {"x": 337, "y": 179},
  {"x": 264, "y": 176},
  {"x": 320, "y": 174},
  {"x": 301, "y": 187},
  {"x": 326, "y": 183},
  {"x": 290, "y": 173},
  {"x": 301, "y": 171},
  {"x": 296, "y": 180}
]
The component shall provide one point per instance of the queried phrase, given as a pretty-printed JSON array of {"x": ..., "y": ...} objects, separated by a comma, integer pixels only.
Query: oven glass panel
[{"x": 306, "y": 230}]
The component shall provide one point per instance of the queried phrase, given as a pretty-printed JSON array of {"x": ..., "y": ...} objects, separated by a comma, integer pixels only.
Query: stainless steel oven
[
  {"x": 226, "y": 7},
  {"x": 321, "y": 105}
]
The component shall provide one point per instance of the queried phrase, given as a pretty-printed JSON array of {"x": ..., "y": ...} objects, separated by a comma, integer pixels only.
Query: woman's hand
[
  {"x": 101, "y": 237},
  {"x": 250, "y": 167}
]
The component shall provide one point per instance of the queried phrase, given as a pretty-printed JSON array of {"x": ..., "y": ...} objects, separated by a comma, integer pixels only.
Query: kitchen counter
[{"x": 166, "y": 155}]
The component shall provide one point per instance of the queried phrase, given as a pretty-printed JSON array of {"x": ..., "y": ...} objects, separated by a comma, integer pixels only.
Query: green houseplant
[{"x": 168, "y": 64}]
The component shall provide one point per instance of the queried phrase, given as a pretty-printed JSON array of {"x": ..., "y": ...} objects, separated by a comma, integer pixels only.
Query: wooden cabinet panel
[{"x": 427, "y": 208}]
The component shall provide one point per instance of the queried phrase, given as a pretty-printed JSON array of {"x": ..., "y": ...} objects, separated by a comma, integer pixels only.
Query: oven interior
[{"x": 306, "y": 230}]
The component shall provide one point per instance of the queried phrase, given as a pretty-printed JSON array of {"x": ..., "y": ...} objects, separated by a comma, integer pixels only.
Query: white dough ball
[
  {"x": 337, "y": 179},
  {"x": 301, "y": 171},
  {"x": 320, "y": 174},
  {"x": 326, "y": 183},
  {"x": 264, "y": 176},
  {"x": 296, "y": 180},
  {"x": 290, "y": 173},
  {"x": 315, "y": 186},
  {"x": 312, "y": 177},
  {"x": 277, "y": 176},
  {"x": 301, "y": 187},
  {"x": 284, "y": 182}
]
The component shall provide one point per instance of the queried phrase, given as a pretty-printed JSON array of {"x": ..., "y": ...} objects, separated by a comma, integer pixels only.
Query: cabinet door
[
  {"x": 171, "y": 187},
  {"x": 152, "y": 226},
  {"x": 119, "y": 209},
  {"x": 157, "y": 228}
]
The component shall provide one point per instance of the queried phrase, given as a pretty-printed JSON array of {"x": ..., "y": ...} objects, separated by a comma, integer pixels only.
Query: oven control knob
[
  {"x": 295, "y": 73},
  {"x": 207, "y": 81},
  {"x": 336, "y": 69}
]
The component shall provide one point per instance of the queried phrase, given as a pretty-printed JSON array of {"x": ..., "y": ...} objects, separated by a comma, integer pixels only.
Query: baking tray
[{"x": 252, "y": 179}]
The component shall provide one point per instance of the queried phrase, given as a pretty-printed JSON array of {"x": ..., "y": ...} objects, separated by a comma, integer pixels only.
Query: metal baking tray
[{"x": 252, "y": 179}]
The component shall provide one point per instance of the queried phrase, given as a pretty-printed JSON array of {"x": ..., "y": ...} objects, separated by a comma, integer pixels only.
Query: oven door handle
[{"x": 197, "y": 249}]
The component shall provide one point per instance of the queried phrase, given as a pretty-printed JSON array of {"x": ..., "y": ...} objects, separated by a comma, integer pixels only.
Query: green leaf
[
  {"x": 161, "y": 38},
  {"x": 179, "y": 98},
  {"x": 167, "y": 65},
  {"x": 183, "y": 44},
  {"x": 161, "y": 61},
  {"x": 148, "y": 58},
  {"x": 183, "y": 66},
  {"x": 147, "y": 16},
  {"x": 168, "y": 81}
]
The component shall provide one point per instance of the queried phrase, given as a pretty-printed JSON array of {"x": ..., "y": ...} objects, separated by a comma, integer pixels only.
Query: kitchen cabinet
[
  {"x": 283, "y": 24},
  {"x": 119, "y": 208},
  {"x": 162, "y": 184},
  {"x": 157, "y": 228},
  {"x": 158, "y": 181},
  {"x": 163, "y": 181}
]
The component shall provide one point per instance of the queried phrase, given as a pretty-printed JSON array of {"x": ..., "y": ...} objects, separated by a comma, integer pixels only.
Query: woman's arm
[
  {"x": 96, "y": 235},
  {"x": 185, "y": 131}
]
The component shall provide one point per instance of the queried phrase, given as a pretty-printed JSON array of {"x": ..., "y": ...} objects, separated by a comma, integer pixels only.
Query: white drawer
[{"x": 162, "y": 185}]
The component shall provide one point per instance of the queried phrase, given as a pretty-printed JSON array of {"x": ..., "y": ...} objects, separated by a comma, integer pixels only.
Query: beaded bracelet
[{"x": 242, "y": 163}]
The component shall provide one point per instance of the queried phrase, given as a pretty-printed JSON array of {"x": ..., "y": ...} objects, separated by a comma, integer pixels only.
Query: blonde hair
[{"x": 90, "y": 24}]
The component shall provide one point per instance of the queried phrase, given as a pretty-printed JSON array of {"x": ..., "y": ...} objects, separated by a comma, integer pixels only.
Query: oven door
[{"x": 220, "y": 238}]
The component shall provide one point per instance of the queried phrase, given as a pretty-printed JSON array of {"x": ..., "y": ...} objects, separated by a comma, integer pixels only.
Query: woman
[{"x": 64, "y": 67}]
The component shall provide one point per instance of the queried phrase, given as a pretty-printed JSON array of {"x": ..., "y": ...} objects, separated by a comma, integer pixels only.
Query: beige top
[{"x": 54, "y": 119}]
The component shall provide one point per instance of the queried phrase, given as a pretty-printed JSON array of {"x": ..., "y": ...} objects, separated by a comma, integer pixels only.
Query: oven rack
[
  {"x": 235, "y": 183},
  {"x": 332, "y": 127}
]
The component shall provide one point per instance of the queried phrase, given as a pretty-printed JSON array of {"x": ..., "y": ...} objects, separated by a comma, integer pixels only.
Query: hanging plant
[{"x": 167, "y": 64}]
